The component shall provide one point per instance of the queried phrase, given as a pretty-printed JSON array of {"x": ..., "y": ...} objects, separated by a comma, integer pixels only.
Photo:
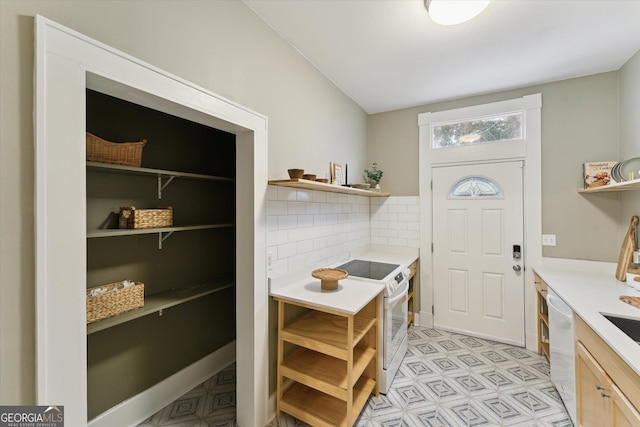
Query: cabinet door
[
  {"x": 593, "y": 409},
  {"x": 623, "y": 412}
]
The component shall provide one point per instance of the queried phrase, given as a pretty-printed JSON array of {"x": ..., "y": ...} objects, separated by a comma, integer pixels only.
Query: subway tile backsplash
[{"x": 309, "y": 229}]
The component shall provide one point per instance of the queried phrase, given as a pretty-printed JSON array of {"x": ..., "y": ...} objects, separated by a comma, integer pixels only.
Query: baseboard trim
[{"x": 133, "y": 411}]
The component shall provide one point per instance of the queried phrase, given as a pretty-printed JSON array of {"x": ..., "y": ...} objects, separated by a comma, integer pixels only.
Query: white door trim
[
  {"x": 530, "y": 152},
  {"x": 66, "y": 62}
]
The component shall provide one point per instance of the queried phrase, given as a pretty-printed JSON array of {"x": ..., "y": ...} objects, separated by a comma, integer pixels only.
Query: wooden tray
[{"x": 634, "y": 301}]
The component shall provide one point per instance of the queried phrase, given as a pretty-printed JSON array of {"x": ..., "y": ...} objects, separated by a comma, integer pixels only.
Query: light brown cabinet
[
  {"x": 412, "y": 296},
  {"x": 543, "y": 316},
  {"x": 327, "y": 363},
  {"x": 608, "y": 390}
]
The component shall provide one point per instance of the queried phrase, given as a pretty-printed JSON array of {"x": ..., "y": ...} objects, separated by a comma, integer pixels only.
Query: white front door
[{"x": 477, "y": 220}]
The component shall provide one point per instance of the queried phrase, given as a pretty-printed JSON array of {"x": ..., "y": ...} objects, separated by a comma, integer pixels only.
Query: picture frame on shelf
[{"x": 337, "y": 174}]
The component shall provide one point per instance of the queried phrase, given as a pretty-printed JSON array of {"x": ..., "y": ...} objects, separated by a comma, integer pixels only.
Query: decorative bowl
[
  {"x": 309, "y": 176},
  {"x": 295, "y": 173},
  {"x": 329, "y": 277},
  {"x": 325, "y": 180},
  {"x": 362, "y": 186}
]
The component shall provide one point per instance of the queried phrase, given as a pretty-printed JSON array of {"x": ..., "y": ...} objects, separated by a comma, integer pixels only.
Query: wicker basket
[
  {"x": 115, "y": 300},
  {"x": 130, "y": 217},
  {"x": 119, "y": 153}
]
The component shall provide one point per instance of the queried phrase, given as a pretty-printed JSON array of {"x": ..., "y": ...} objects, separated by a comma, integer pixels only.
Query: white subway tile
[
  {"x": 389, "y": 217},
  {"x": 398, "y": 208},
  {"x": 272, "y": 192},
  {"x": 296, "y": 235},
  {"x": 413, "y": 243},
  {"x": 413, "y": 209},
  {"x": 276, "y": 237},
  {"x": 276, "y": 207},
  {"x": 413, "y": 226},
  {"x": 408, "y": 234},
  {"x": 319, "y": 220},
  {"x": 319, "y": 196},
  {"x": 272, "y": 222},
  {"x": 379, "y": 241},
  {"x": 305, "y": 246},
  {"x": 408, "y": 217},
  {"x": 286, "y": 222},
  {"x": 304, "y": 196},
  {"x": 379, "y": 224},
  {"x": 305, "y": 221},
  {"x": 397, "y": 242},
  {"x": 388, "y": 233},
  {"x": 313, "y": 208},
  {"x": 287, "y": 250},
  {"x": 298, "y": 262},
  {"x": 397, "y": 225},
  {"x": 320, "y": 243},
  {"x": 296, "y": 208},
  {"x": 286, "y": 193}
]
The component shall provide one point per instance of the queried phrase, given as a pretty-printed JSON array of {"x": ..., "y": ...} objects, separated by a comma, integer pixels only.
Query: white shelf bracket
[
  {"x": 162, "y": 186},
  {"x": 162, "y": 238}
]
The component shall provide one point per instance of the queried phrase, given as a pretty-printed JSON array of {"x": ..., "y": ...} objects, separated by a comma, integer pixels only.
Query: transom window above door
[
  {"x": 475, "y": 187},
  {"x": 479, "y": 130}
]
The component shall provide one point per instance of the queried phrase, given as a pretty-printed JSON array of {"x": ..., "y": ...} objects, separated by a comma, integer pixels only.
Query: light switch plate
[{"x": 548, "y": 240}]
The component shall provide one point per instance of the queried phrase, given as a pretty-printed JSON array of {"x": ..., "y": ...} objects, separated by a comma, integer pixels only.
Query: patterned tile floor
[{"x": 446, "y": 379}]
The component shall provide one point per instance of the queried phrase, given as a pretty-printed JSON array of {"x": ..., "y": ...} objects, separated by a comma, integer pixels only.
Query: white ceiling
[{"x": 388, "y": 54}]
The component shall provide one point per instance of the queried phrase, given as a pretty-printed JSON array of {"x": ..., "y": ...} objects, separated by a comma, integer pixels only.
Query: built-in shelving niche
[{"x": 190, "y": 275}]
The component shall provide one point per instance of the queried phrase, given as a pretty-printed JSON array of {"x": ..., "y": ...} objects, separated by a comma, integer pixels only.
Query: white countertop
[
  {"x": 591, "y": 293},
  {"x": 350, "y": 297},
  {"x": 352, "y": 294}
]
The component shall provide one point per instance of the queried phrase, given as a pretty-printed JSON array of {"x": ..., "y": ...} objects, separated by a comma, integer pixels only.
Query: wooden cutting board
[
  {"x": 634, "y": 301},
  {"x": 626, "y": 252}
]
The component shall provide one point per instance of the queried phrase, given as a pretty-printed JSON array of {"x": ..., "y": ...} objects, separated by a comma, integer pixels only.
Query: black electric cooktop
[{"x": 368, "y": 269}]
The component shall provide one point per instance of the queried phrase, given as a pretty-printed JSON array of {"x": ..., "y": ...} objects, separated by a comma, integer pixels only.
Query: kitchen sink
[{"x": 628, "y": 326}]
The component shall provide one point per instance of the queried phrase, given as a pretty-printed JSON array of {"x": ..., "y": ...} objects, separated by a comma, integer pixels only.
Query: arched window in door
[{"x": 475, "y": 187}]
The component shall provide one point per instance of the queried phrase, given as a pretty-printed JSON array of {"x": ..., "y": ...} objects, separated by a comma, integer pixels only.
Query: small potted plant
[{"x": 374, "y": 176}]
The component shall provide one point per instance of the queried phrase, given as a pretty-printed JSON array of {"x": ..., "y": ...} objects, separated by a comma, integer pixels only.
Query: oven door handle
[{"x": 403, "y": 288}]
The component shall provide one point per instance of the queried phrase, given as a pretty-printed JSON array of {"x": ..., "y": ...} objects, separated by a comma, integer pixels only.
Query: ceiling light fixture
[{"x": 452, "y": 12}]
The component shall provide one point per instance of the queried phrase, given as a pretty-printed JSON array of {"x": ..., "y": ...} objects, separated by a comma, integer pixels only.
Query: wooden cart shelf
[
  {"x": 321, "y": 186},
  {"x": 321, "y": 409},
  {"x": 332, "y": 338},
  {"x": 161, "y": 301},
  {"x": 327, "y": 376}
]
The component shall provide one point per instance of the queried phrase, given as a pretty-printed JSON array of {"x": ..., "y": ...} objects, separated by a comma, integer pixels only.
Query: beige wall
[
  {"x": 579, "y": 124},
  {"x": 629, "y": 136},
  {"x": 220, "y": 45}
]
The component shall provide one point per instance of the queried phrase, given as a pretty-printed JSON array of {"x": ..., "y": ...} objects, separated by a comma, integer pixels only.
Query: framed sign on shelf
[{"x": 337, "y": 174}]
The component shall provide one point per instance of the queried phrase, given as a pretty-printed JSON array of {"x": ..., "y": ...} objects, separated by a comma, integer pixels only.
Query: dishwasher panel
[{"x": 561, "y": 346}]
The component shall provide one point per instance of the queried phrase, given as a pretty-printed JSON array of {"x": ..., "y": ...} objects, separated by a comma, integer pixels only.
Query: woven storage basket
[
  {"x": 130, "y": 217},
  {"x": 119, "y": 153},
  {"x": 117, "y": 299}
]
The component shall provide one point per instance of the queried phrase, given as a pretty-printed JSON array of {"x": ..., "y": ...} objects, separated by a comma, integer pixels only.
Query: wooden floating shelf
[
  {"x": 161, "y": 301},
  {"x": 113, "y": 232},
  {"x": 321, "y": 186},
  {"x": 618, "y": 186}
]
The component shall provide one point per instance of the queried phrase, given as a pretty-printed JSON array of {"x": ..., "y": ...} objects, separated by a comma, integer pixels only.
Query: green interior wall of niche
[{"x": 127, "y": 359}]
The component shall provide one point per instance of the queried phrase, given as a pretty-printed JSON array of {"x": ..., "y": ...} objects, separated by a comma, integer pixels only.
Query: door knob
[{"x": 517, "y": 268}]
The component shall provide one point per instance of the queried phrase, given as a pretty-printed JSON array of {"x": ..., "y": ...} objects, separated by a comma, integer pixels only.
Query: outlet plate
[
  {"x": 269, "y": 260},
  {"x": 548, "y": 240}
]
